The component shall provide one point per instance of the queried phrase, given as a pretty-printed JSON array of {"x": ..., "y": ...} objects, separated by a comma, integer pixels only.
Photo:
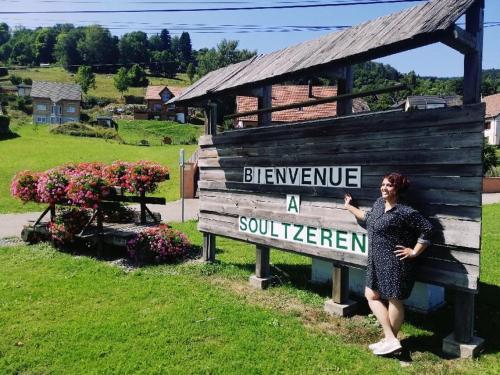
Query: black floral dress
[{"x": 386, "y": 274}]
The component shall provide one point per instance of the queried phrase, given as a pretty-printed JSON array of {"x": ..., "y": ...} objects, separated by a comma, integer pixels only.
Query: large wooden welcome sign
[{"x": 282, "y": 186}]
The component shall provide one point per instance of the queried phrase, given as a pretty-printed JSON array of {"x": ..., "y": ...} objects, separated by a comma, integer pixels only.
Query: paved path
[{"x": 12, "y": 224}]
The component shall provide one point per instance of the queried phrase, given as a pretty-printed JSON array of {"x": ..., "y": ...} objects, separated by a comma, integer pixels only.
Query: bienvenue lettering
[
  {"x": 334, "y": 176},
  {"x": 337, "y": 240}
]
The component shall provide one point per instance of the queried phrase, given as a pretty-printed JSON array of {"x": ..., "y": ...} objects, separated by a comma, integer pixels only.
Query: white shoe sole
[{"x": 389, "y": 350}]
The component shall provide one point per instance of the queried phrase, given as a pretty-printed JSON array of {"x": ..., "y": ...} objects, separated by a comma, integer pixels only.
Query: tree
[
  {"x": 137, "y": 76},
  {"x": 4, "y": 33},
  {"x": 163, "y": 63},
  {"x": 154, "y": 42},
  {"x": 190, "y": 71},
  {"x": 185, "y": 50},
  {"x": 121, "y": 80},
  {"x": 21, "y": 43},
  {"x": 85, "y": 78},
  {"x": 490, "y": 159},
  {"x": 66, "y": 49},
  {"x": 166, "y": 41},
  {"x": 98, "y": 48},
  {"x": 134, "y": 48},
  {"x": 15, "y": 80},
  {"x": 45, "y": 41}
]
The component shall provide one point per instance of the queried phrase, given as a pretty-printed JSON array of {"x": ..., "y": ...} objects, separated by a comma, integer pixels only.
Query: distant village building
[
  {"x": 156, "y": 107},
  {"x": 55, "y": 103},
  {"x": 289, "y": 94},
  {"x": 23, "y": 90},
  {"x": 492, "y": 119},
  {"x": 420, "y": 102}
]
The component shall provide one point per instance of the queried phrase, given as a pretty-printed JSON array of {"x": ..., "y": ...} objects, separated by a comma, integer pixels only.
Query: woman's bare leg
[
  {"x": 396, "y": 315},
  {"x": 380, "y": 311}
]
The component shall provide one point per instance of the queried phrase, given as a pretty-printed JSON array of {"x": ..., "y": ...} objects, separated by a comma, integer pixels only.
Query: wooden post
[
  {"x": 52, "y": 212},
  {"x": 344, "y": 86},
  {"x": 265, "y": 101},
  {"x": 262, "y": 278},
  {"x": 209, "y": 238},
  {"x": 473, "y": 61},
  {"x": 464, "y": 316},
  {"x": 143, "y": 208},
  {"x": 340, "y": 279}
]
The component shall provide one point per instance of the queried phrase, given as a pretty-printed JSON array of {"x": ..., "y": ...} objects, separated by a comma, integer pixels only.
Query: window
[
  {"x": 71, "y": 109},
  {"x": 41, "y": 107},
  {"x": 157, "y": 107},
  {"x": 487, "y": 125},
  {"x": 41, "y": 120}
]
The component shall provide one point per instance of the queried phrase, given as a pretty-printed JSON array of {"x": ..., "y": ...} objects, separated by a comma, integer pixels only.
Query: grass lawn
[
  {"x": 61, "y": 314},
  {"x": 104, "y": 82},
  {"x": 133, "y": 131},
  {"x": 36, "y": 149}
]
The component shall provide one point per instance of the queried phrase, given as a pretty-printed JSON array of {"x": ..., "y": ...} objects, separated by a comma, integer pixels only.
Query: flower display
[
  {"x": 24, "y": 186},
  {"x": 117, "y": 174},
  {"x": 160, "y": 243},
  {"x": 67, "y": 223},
  {"x": 144, "y": 176},
  {"x": 52, "y": 187},
  {"x": 86, "y": 189}
]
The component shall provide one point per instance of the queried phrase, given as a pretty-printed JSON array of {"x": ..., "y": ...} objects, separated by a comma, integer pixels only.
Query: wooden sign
[{"x": 247, "y": 174}]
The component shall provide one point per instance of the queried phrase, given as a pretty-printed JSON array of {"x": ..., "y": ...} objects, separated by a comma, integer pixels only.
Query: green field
[
  {"x": 66, "y": 314},
  {"x": 36, "y": 149},
  {"x": 104, "y": 82}
]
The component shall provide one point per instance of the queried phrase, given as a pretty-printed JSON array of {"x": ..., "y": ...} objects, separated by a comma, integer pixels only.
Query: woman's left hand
[{"x": 403, "y": 252}]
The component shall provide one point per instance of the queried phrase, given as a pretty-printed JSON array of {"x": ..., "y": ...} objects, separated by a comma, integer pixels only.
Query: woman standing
[{"x": 396, "y": 235}]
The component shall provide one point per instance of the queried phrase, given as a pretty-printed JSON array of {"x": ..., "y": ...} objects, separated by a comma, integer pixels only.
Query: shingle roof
[
  {"x": 492, "y": 105},
  {"x": 288, "y": 94},
  {"x": 154, "y": 92},
  {"x": 56, "y": 91},
  {"x": 414, "y": 27}
]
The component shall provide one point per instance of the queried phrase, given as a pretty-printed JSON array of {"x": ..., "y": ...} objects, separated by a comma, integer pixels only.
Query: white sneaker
[
  {"x": 388, "y": 347},
  {"x": 374, "y": 346}
]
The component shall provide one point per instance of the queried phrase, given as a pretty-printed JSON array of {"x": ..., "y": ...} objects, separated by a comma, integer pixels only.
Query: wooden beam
[
  {"x": 460, "y": 40},
  {"x": 309, "y": 103},
  {"x": 265, "y": 101},
  {"x": 208, "y": 253},
  {"x": 340, "y": 278},
  {"x": 344, "y": 86},
  {"x": 464, "y": 316},
  {"x": 262, "y": 267},
  {"x": 473, "y": 61}
]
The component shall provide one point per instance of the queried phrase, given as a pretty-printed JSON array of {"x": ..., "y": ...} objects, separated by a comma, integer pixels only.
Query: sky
[{"x": 262, "y": 30}]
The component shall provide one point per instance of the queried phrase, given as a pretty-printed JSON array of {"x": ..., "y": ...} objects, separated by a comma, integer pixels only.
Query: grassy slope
[
  {"x": 133, "y": 131},
  {"x": 37, "y": 150},
  {"x": 104, "y": 82},
  {"x": 62, "y": 314}
]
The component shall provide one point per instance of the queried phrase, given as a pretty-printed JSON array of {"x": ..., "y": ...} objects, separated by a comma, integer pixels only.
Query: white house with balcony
[
  {"x": 492, "y": 119},
  {"x": 55, "y": 103}
]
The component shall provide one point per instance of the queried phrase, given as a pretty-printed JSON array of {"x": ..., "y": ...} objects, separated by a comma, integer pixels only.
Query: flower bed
[{"x": 158, "y": 244}]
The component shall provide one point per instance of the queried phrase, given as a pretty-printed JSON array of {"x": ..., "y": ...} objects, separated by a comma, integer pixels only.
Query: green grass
[
  {"x": 63, "y": 314},
  {"x": 37, "y": 150},
  {"x": 133, "y": 131},
  {"x": 104, "y": 82}
]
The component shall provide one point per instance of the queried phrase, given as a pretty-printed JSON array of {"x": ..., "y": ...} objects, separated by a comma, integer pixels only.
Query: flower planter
[{"x": 491, "y": 184}]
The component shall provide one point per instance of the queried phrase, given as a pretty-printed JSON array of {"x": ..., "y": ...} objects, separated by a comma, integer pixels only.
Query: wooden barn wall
[{"x": 440, "y": 150}]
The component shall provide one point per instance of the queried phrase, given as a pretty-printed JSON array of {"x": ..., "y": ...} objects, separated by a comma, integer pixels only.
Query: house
[
  {"x": 23, "y": 90},
  {"x": 288, "y": 94},
  {"x": 492, "y": 119},
  {"x": 156, "y": 107},
  {"x": 55, "y": 103},
  {"x": 420, "y": 102}
]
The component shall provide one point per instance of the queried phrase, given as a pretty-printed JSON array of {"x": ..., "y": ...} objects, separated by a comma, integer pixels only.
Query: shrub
[
  {"x": 83, "y": 130},
  {"x": 4, "y": 72},
  {"x": 160, "y": 244},
  {"x": 23, "y": 103},
  {"x": 15, "y": 80},
  {"x": 4, "y": 124},
  {"x": 27, "y": 81},
  {"x": 93, "y": 101},
  {"x": 137, "y": 76},
  {"x": 24, "y": 186},
  {"x": 490, "y": 159},
  {"x": 67, "y": 224}
]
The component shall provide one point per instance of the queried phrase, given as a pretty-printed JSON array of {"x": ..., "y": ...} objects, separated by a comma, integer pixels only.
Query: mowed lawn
[
  {"x": 67, "y": 314},
  {"x": 37, "y": 150},
  {"x": 104, "y": 82}
]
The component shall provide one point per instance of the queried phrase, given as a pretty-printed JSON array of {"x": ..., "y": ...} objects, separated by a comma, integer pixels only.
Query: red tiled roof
[
  {"x": 153, "y": 92},
  {"x": 492, "y": 105},
  {"x": 288, "y": 94}
]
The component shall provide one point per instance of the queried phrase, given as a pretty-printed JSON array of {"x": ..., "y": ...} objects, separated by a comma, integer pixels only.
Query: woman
[{"x": 396, "y": 235}]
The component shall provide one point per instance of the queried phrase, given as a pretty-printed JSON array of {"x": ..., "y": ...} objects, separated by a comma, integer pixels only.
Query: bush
[
  {"x": 137, "y": 76},
  {"x": 93, "y": 101},
  {"x": 4, "y": 72},
  {"x": 23, "y": 103},
  {"x": 15, "y": 80},
  {"x": 132, "y": 99},
  {"x": 27, "y": 81},
  {"x": 4, "y": 124},
  {"x": 490, "y": 159},
  {"x": 83, "y": 130},
  {"x": 158, "y": 244},
  {"x": 84, "y": 117}
]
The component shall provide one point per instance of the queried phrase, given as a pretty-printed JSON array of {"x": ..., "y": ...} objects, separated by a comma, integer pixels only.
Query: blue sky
[{"x": 208, "y": 28}]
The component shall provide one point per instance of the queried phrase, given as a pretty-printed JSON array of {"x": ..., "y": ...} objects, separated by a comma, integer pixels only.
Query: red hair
[{"x": 401, "y": 183}]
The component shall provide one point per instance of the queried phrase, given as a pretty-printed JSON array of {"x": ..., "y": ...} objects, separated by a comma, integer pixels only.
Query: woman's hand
[
  {"x": 347, "y": 199},
  {"x": 403, "y": 252}
]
